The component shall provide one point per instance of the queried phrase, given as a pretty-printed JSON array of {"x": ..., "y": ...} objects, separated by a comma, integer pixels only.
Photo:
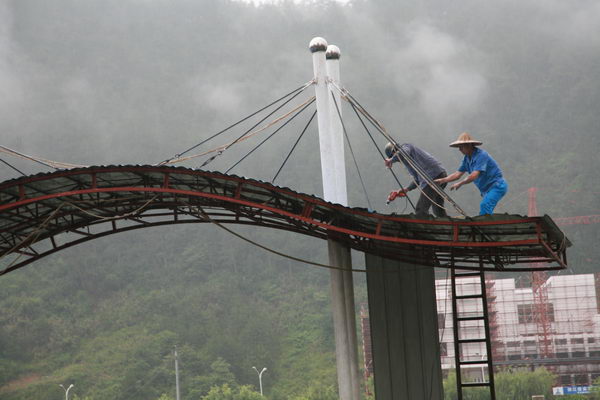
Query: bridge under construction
[{"x": 44, "y": 213}]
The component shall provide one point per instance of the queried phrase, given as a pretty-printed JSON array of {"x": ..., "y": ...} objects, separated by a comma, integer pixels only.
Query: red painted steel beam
[
  {"x": 279, "y": 207},
  {"x": 288, "y": 214}
]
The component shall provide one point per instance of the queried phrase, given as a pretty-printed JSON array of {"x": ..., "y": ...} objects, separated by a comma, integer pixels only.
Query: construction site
[
  {"x": 555, "y": 326},
  {"x": 534, "y": 320},
  {"x": 422, "y": 326}
]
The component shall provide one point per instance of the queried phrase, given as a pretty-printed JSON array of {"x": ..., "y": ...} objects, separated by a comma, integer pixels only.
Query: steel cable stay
[
  {"x": 398, "y": 149},
  {"x": 242, "y": 136},
  {"x": 348, "y": 97},
  {"x": 13, "y": 167},
  {"x": 416, "y": 167},
  {"x": 202, "y": 214},
  {"x": 420, "y": 171},
  {"x": 178, "y": 155},
  {"x": 381, "y": 154},
  {"x": 56, "y": 165},
  {"x": 294, "y": 146},
  {"x": 351, "y": 151},
  {"x": 311, "y": 100},
  {"x": 220, "y": 149}
]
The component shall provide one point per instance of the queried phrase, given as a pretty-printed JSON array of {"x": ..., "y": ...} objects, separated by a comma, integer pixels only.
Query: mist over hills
[{"x": 138, "y": 81}]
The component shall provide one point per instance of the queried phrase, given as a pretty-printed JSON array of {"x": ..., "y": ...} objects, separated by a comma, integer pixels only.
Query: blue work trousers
[{"x": 492, "y": 197}]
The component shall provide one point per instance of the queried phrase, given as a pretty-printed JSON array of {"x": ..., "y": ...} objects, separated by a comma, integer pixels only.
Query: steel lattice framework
[{"x": 45, "y": 213}]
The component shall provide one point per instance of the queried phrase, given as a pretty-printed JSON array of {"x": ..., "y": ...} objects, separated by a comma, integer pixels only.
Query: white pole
[
  {"x": 176, "y": 374},
  {"x": 260, "y": 378},
  {"x": 332, "y": 56},
  {"x": 334, "y": 190},
  {"x": 318, "y": 46},
  {"x": 66, "y": 390}
]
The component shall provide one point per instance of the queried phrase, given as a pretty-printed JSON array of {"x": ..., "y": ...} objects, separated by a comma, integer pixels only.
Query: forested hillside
[{"x": 138, "y": 81}]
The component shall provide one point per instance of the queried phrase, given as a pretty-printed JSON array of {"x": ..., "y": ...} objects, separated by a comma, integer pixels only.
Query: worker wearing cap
[
  {"x": 482, "y": 169},
  {"x": 432, "y": 168}
]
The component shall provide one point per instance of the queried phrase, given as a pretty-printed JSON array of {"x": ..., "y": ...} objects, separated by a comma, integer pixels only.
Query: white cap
[
  {"x": 317, "y": 44},
  {"x": 333, "y": 52}
]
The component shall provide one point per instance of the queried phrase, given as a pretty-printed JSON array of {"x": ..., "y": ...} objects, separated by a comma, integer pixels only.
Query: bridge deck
[{"x": 44, "y": 213}]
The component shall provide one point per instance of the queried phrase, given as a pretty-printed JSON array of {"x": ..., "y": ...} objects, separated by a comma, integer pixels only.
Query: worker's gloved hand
[{"x": 396, "y": 193}]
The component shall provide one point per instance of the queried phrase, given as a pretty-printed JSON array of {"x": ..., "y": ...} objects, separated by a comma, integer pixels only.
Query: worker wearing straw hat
[{"x": 483, "y": 170}]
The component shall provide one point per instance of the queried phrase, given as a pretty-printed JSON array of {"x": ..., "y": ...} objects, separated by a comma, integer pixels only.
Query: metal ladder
[{"x": 459, "y": 316}]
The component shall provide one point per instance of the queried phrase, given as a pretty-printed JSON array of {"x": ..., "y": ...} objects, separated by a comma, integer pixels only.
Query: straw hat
[{"x": 465, "y": 138}]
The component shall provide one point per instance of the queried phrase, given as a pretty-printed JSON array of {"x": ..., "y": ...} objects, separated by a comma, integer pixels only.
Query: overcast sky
[{"x": 134, "y": 81}]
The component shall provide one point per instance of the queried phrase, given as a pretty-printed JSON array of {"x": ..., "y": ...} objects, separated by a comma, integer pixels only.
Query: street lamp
[
  {"x": 66, "y": 390},
  {"x": 260, "y": 378}
]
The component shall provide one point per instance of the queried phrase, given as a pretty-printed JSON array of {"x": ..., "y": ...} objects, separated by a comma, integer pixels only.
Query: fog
[
  {"x": 136, "y": 82},
  {"x": 102, "y": 82}
]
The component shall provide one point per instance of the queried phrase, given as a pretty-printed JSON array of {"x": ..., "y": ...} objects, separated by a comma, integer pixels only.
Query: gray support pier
[
  {"x": 344, "y": 321},
  {"x": 404, "y": 330}
]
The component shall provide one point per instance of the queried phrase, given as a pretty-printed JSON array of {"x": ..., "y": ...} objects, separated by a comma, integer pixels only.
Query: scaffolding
[
  {"x": 570, "y": 347},
  {"x": 365, "y": 328}
]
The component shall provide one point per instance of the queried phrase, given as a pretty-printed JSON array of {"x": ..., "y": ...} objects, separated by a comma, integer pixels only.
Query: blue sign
[{"x": 564, "y": 390}]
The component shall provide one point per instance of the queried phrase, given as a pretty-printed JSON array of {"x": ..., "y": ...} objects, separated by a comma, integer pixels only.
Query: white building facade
[{"x": 565, "y": 338}]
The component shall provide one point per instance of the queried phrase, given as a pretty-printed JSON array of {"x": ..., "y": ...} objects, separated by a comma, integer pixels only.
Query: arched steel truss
[{"x": 45, "y": 213}]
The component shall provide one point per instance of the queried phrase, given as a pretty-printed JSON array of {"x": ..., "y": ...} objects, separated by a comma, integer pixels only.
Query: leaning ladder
[{"x": 459, "y": 316}]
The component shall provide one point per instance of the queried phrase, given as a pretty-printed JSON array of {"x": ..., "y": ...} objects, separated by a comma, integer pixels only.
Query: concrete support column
[
  {"x": 404, "y": 330},
  {"x": 344, "y": 321}
]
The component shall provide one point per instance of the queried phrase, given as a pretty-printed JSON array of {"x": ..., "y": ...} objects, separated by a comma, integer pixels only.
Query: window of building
[
  {"x": 529, "y": 343},
  {"x": 525, "y": 313},
  {"x": 594, "y": 353},
  {"x": 581, "y": 379},
  {"x": 565, "y": 380},
  {"x": 513, "y": 344},
  {"x": 560, "y": 341},
  {"x": 591, "y": 340},
  {"x": 514, "y": 356},
  {"x": 577, "y": 341},
  {"x": 550, "y": 312},
  {"x": 530, "y": 356},
  {"x": 562, "y": 354},
  {"x": 578, "y": 354}
]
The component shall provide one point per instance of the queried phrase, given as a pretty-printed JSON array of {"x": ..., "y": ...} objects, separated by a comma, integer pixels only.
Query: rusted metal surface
[{"x": 42, "y": 214}]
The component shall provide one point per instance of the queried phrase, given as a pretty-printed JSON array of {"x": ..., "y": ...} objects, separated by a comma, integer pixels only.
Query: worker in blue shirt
[
  {"x": 482, "y": 169},
  {"x": 432, "y": 168}
]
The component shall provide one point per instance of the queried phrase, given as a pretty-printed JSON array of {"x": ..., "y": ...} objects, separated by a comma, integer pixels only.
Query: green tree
[
  {"x": 165, "y": 396},
  {"x": 476, "y": 393},
  {"x": 225, "y": 392},
  {"x": 220, "y": 376},
  {"x": 524, "y": 384},
  {"x": 517, "y": 385},
  {"x": 320, "y": 392}
]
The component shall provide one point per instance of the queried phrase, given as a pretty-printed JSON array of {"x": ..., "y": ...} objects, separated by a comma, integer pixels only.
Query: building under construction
[
  {"x": 564, "y": 339},
  {"x": 563, "y": 336}
]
